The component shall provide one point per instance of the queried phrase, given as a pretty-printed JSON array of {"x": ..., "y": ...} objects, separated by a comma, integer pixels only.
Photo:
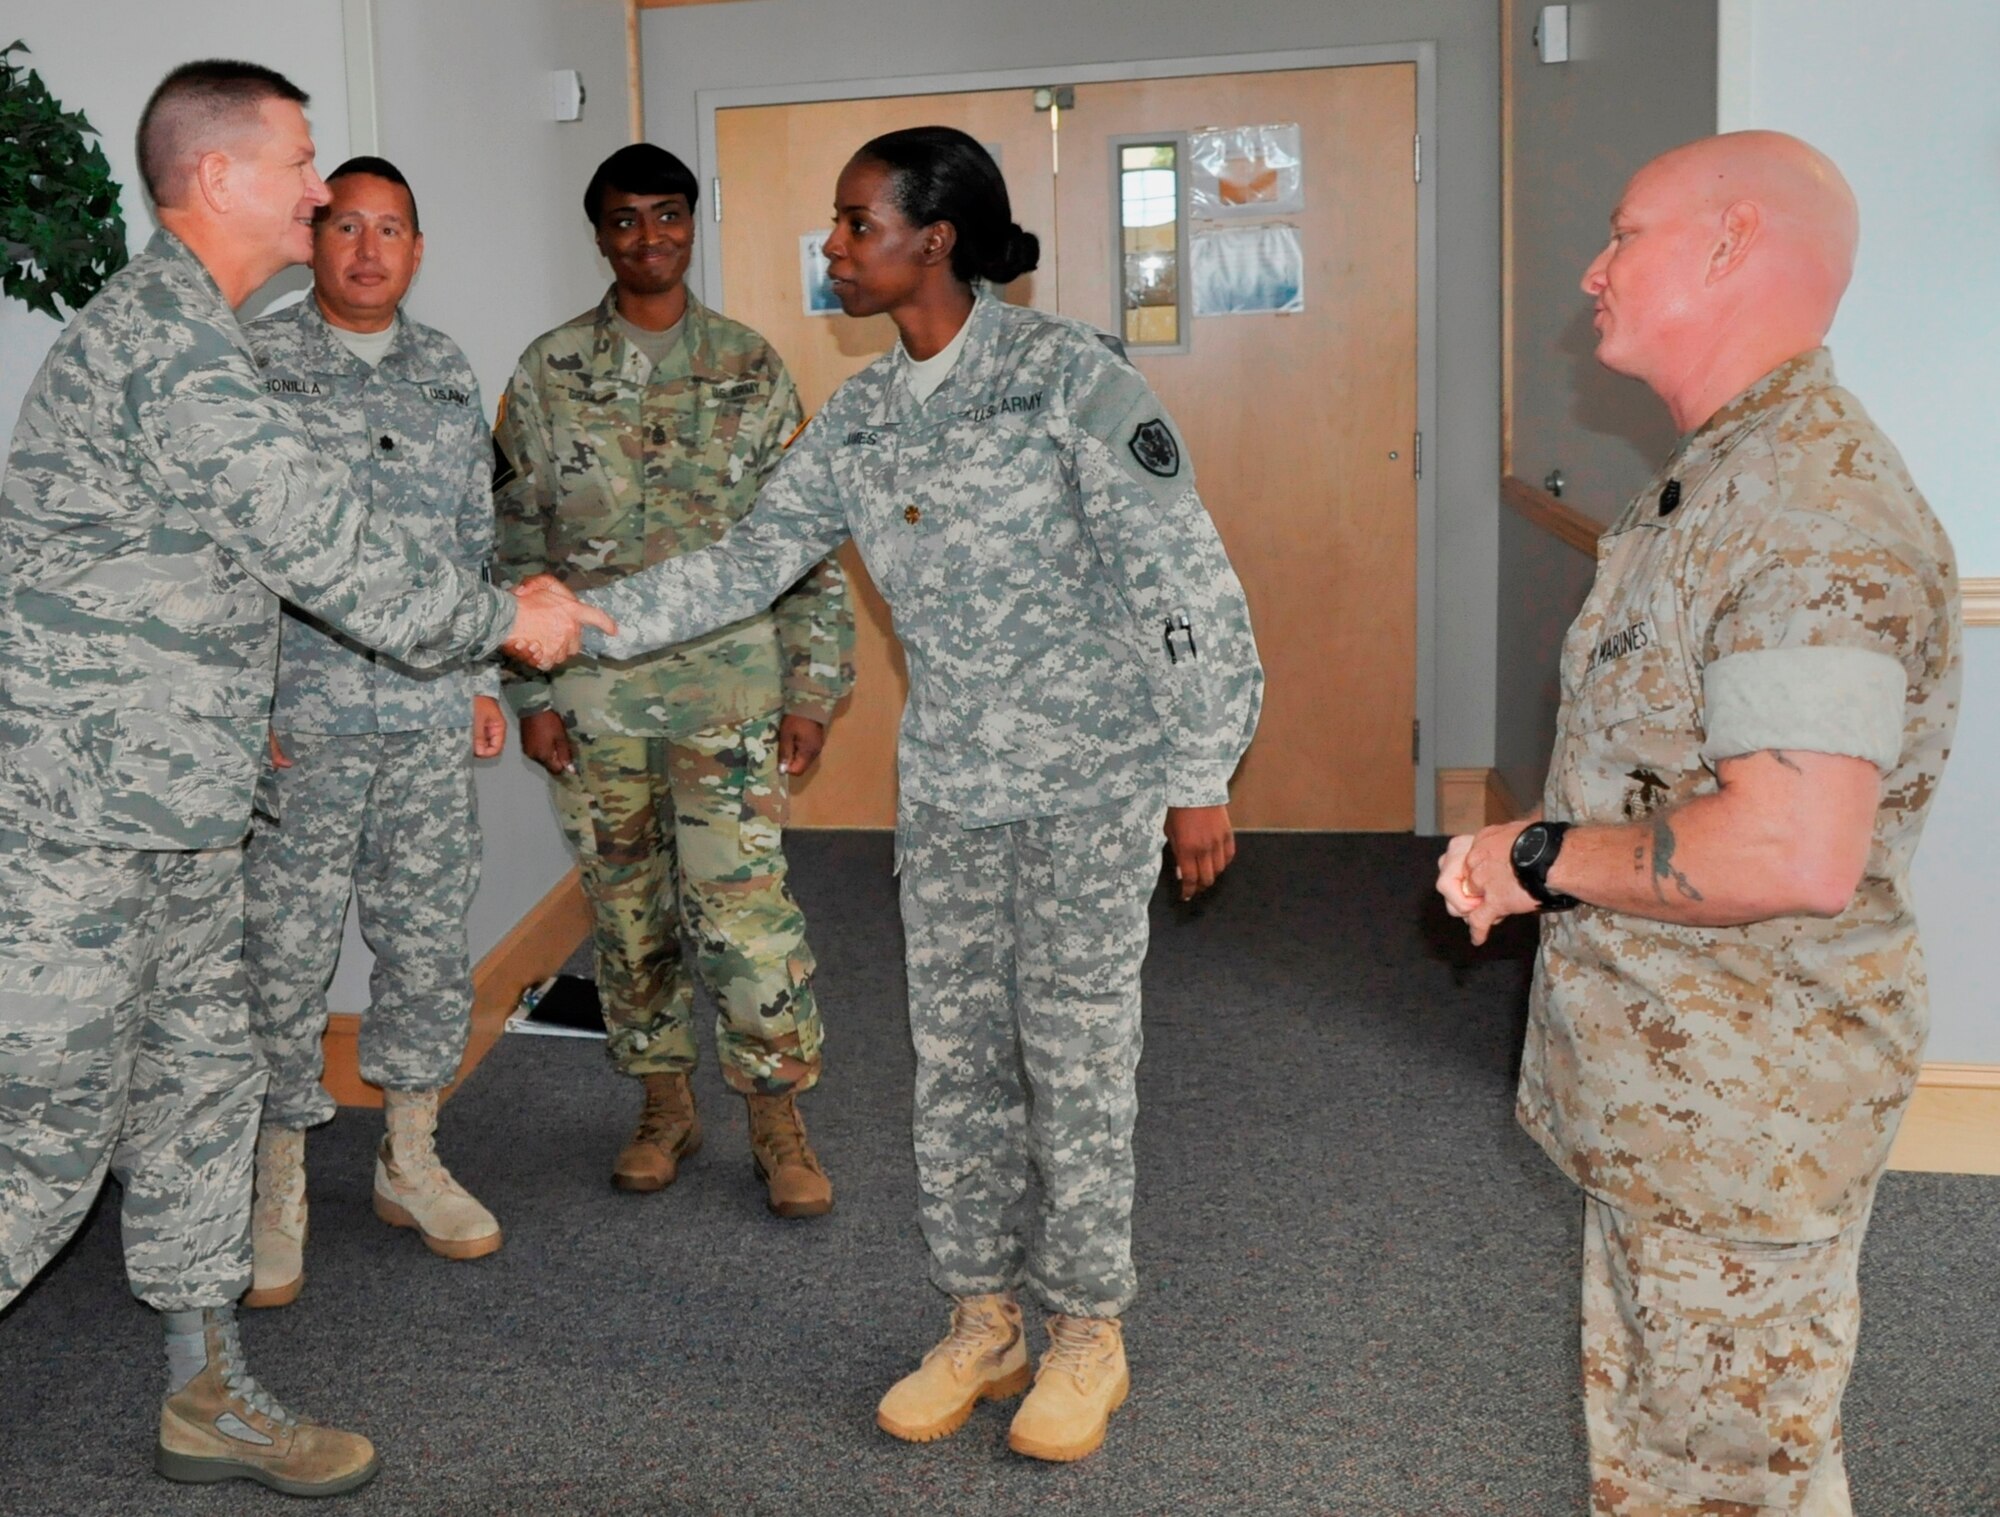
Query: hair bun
[{"x": 1020, "y": 253}]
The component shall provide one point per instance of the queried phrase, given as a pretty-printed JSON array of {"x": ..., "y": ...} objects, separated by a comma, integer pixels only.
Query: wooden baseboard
[
  {"x": 1468, "y": 799},
  {"x": 1953, "y": 1124},
  {"x": 533, "y": 951}
]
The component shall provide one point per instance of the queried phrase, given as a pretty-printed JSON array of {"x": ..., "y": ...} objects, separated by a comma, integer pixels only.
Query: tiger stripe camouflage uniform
[
  {"x": 158, "y": 501},
  {"x": 1080, "y": 658},
  {"x": 378, "y": 798},
  {"x": 677, "y": 805},
  {"x": 1727, "y": 1097}
]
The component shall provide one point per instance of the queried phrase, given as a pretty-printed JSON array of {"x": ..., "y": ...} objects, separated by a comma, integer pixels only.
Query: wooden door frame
[{"x": 1421, "y": 54}]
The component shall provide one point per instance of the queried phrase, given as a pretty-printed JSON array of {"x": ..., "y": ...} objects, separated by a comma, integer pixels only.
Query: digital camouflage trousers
[
  {"x": 1023, "y": 943},
  {"x": 1713, "y": 1371},
  {"x": 390, "y": 816},
  {"x": 678, "y": 835},
  {"x": 125, "y": 1047}
]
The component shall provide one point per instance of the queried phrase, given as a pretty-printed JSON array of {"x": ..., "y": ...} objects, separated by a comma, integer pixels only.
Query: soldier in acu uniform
[
  {"x": 1729, "y": 1004},
  {"x": 1081, "y": 673},
  {"x": 635, "y": 433},
  {"x": 158, "y": 501},
  {"x": 370, "y": 785}
]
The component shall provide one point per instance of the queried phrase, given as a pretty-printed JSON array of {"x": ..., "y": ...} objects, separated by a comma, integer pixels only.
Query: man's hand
[
  {"x": 545, "y": 739},
  {"x": 278, "y": 759},
  {"x": 1476, "y": 879},
  {"x": 1203, "y": 844},
  {"x": 800, "y": 739},
  {"x": 548, "y": 625},
  {"x": 489, "y": 727}
]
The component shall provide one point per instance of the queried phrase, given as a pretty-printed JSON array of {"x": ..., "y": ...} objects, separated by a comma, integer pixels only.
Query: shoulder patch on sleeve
[{"x": 1152, "y": 443}]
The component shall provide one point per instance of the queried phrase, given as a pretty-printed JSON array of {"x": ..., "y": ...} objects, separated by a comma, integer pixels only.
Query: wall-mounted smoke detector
[
  {"x": 1552, "y": 34},
  {"x": 566, "y": 94}
]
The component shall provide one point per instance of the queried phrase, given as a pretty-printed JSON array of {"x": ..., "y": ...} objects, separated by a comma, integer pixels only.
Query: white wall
[
  {"x": 460, "y": 87},
  {"x": 1902, "y": 98},
  {"x": 770, "y": 42}
]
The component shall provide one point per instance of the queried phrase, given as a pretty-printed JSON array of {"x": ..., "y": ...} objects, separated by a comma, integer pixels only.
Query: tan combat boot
[
  {"x": 278, "y": 1218},
  {"x": 413, "y": 1189},
  {"x": 668, "y": 1132},
  {"x": 785, "y": 1161},
  {"x": 222, "y": 1425},
  {"x": 1082, "y": 1381},
  {"x": 983, "y": 1358}
]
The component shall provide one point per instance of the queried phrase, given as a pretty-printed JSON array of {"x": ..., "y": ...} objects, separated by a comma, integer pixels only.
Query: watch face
[{"x": 1529, "y": 846}]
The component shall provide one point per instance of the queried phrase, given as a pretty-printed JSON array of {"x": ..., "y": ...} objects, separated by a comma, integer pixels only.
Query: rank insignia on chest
[
  {"x": 1670, "y": 497},
  {"x": 1154, "y": 446},
  {"x": 912, "y": 515}
]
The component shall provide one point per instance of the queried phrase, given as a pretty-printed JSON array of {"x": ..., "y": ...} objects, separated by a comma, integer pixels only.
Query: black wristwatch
[{"x": 1533, "y": 856}]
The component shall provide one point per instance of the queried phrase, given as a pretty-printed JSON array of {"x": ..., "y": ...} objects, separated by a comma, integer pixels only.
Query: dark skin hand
[
  {"x": 1203, "y": 843},
  {"x": 545, "y": 739}
]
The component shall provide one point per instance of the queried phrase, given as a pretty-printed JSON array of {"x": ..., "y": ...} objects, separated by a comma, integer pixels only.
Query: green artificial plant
[{"x": 61, "y": 235}]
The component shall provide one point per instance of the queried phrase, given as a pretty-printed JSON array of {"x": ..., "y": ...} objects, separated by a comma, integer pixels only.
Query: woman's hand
[{"x": 1203, "y": 844}]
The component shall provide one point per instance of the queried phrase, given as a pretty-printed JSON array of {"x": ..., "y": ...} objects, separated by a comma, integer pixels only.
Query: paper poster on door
[
  {"x": 819, "y": 297},
  {"x": 1240, "y": 271},
  {"x": 1241, "y": 171}
]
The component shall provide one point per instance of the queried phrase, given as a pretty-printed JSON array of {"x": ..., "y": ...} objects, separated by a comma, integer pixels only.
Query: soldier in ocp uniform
[
  {"x": 158, "y": 501},
  {"x": 638, "y": 432},
  {"x": 369, "y": 788},
  {"x": 1758, "y": 696},
  {"x": 1082, "y": 674}
]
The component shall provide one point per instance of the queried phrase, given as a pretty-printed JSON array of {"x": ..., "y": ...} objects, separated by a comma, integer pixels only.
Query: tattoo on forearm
[
  {"x": 1779, "y": 755},
  {"x": 1663, "y": 863}
]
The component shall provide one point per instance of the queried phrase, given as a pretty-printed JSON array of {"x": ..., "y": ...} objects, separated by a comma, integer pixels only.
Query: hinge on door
[
  {"x": 1417, "y": 157},
  {"x": 715, "y": 197},
  {"x": 1416, "y": 741},
  {"x": 1417, "y": 455}
]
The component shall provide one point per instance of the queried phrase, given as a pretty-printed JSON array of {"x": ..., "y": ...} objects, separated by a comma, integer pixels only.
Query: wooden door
[
  {"x": 778, "y": 166},
  {"x": 1300, "y": 426}
]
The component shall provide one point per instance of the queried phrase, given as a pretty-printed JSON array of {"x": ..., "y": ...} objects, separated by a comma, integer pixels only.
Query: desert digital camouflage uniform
[
  {"x": 1728, "y": 1096},
  {"x": 379, "y": 794},
  {"x": 677, "y": 807},
  {"x": 158, "y": 502},
  {"x": 1080, "y": 658}
]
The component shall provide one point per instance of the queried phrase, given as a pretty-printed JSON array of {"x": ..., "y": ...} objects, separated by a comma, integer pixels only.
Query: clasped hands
[
  {"x": 1476, "y": 879},
  {"x": 549, "y": 622}
]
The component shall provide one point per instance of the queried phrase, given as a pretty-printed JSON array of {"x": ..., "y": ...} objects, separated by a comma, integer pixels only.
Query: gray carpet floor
[{"x": 1359, "y": 1279}]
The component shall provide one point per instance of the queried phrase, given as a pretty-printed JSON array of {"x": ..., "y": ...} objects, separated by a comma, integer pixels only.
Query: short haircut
[
  {"x": 640, "y": 169},
  {"x": 193, "y": 109},
  {"x": 380, "y": 168}
]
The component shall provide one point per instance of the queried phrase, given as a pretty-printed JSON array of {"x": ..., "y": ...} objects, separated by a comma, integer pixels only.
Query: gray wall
[
  {"x": 771, "y": 42},
  {"x": 1641, "y": 80}
]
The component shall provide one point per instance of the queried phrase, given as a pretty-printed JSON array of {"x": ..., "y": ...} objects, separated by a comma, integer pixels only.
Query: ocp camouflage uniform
[
  {"x": 677, "y": 806},
  {"x": 158, "y": 502},
  {"x": 378, "y": 798},
  {"x": 1035, "y": 529},
  {"x": 1728, "y": 1096}
]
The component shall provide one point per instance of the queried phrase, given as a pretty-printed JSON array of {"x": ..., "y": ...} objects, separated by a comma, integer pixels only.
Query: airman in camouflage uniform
[
  {"x": 668, "y": 768},
  {"x": 158, "y": 502},
  {"x": 1725, "y": 1081},
  {"x": 374, "y": 792},
  {"x": 1080, "y": 660}
]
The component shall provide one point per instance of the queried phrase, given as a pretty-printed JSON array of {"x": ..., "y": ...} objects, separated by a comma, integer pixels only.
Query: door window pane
[{"x": 1149, "y": 223}]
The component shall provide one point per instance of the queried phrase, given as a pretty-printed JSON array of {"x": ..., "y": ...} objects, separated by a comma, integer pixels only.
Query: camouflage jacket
[
  {"x": 611, "y": 465},
  {"x": 412, "y": 431},
  {"x": 1073, "y": 628},
  {"x": 158, "y": 502},
  {"x": 1780, "y": 584}
]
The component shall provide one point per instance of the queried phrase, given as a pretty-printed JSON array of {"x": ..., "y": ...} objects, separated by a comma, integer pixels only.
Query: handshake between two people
[{"x": 549, "y": 622}]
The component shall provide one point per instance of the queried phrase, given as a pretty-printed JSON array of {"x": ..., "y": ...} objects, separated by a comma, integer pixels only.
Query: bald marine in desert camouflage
[{"x": 1758, "y": 698}]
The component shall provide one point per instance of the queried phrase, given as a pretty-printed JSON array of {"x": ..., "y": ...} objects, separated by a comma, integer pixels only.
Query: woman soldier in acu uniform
[{"x": 1081, "y": 671}]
